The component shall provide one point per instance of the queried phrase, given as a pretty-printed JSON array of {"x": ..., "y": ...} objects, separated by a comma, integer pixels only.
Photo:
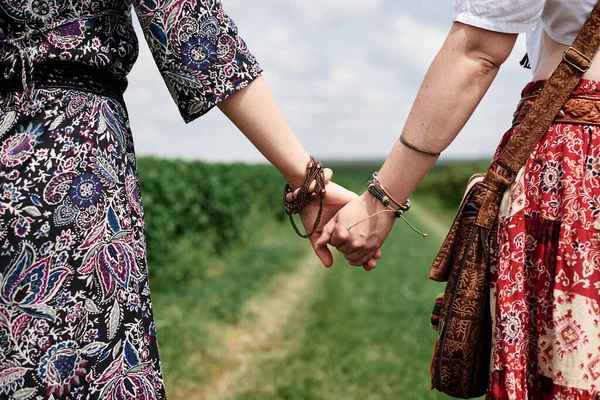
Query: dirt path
[
  {"x": 271, "y": 324},
  {"x": 263, "y": 332}
]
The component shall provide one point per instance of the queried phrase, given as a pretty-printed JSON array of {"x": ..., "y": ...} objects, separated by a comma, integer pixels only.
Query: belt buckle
[{"x": 571, "y": 60}]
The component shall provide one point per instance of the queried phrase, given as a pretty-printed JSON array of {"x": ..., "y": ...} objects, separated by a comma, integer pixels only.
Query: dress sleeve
[
  {"x": 198, "y": 51},
  {"x": 507, "y": 16}
]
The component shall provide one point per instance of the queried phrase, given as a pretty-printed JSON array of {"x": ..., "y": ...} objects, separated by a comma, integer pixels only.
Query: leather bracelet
[
  {"x": 404, "y": 206},
  {"x": 376, "y": 191}
]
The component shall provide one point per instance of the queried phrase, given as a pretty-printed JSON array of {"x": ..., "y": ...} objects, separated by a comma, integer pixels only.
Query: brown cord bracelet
[{"x": 304, "y": 195}]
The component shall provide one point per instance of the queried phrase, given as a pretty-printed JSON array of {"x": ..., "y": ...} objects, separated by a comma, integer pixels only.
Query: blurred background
[{"x": 243, "y": 308}]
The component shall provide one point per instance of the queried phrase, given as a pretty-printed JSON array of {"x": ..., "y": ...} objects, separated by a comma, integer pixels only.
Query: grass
[
  {"x": 358, "y": 336},
  {"x": 187, "y": 311},
  {"x": 367, "y": 335}
]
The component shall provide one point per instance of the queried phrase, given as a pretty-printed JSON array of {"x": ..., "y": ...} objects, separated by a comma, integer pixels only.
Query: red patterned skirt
[{"x": 546, "y": 273}]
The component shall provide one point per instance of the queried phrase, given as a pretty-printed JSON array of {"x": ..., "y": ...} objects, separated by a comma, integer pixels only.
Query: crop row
[
  {"x": 214, "y": 202},
  {"x": 211, "y": 201}
]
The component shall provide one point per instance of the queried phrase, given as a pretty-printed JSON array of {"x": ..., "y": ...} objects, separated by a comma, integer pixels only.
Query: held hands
[
  {"x": 337, "y": 197},
  {"x": 362, "y": 242}
]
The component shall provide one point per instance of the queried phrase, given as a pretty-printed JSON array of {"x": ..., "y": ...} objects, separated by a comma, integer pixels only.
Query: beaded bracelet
[
  {"x": 376, "y": 189},
  {"x": 379, "y": 193},
  {"x": 374, "y": 186}
]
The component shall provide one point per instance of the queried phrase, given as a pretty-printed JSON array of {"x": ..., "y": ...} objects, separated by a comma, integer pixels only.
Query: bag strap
[{"x": 576, "y": 61}]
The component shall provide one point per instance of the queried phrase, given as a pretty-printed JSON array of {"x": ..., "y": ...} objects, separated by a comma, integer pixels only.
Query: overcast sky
[{"x": 345, "y": 73}]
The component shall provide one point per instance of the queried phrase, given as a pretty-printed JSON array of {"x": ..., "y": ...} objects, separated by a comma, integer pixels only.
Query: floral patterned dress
[
  {"x": 546, "y": 274},
  {"x": 75, "y": 313}
]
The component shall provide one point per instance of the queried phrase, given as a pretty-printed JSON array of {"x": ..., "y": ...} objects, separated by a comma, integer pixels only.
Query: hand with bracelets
[
  {"x": 360, "y": 228},
  {"x": 370, "y": 223},
  {"x": 317, "y": 201}
]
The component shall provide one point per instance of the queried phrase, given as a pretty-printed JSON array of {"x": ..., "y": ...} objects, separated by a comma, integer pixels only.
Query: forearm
[
  {"x": 256, "y": 114},
  {"x": 454, "y": 85}
]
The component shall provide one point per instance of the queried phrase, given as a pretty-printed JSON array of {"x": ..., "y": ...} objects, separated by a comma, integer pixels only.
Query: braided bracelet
[
  {"x": 418, "y": 149},
  {"x": 304, "y": 195}
]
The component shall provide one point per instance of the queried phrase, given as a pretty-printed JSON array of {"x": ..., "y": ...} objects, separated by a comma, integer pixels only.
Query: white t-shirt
[{"x": 560, "y": 19}]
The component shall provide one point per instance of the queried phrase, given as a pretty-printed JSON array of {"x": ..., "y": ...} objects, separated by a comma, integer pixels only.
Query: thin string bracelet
[
  {"x": 389, "y": 209},
  {"x": 418, "y": 149}
]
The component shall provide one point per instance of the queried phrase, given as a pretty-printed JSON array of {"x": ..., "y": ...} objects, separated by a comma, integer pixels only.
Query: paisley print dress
[
  {"x": 546, "y": 274},
  {"x": 75, "y": 312}
]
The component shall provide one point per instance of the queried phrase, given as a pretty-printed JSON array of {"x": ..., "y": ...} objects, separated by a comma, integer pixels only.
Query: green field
[{"x": 254, "y": 316}]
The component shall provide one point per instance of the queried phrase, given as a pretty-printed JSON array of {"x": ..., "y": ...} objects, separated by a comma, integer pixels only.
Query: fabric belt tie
[
  {"x": 71, "y": 76},
  {"x": 57, "y": 74},
  {"x": 26, "y": 63},
  {"x": 578, "y": 110}
]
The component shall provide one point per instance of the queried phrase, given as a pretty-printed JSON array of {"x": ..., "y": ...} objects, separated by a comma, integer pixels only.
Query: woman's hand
[
  {"x": 337, "y": 197},
  {"x": 361, "y": 244}
]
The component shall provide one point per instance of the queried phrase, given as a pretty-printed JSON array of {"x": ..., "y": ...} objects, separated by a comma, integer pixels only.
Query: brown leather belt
[{"x": 578, "y": 110}]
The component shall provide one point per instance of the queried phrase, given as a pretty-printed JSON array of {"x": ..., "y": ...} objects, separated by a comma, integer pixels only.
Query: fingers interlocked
[
  {"x": 355, "y": 249},
  {"x": 361, "y": 243}
]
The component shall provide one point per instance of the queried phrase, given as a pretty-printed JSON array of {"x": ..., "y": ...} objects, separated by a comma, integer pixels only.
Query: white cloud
[
  {"x": 344, "y": 72},
  {"x": 343, "y": 76},
  {"x": 412, "y": 42},
  {"x": 277, "y": 49},
  {"x": 328, "y": 10}
]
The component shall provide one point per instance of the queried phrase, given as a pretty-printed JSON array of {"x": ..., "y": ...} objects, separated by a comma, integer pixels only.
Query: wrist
[
  {"x": 389, "y": 182},
  {"x": 374, "y": 205},
  {"x": 378, "y": 191},
  {"x": 311, "y": 189},
  {"x": 379, "y": 195},
  {"x": 295, "y": 174}
]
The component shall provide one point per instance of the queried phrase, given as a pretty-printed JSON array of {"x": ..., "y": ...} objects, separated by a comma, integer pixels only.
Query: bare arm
[
  {"x": 457, "y": 80},
  {"x": 455, "y": 83},
  {"x": 256, "y": 114}
]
